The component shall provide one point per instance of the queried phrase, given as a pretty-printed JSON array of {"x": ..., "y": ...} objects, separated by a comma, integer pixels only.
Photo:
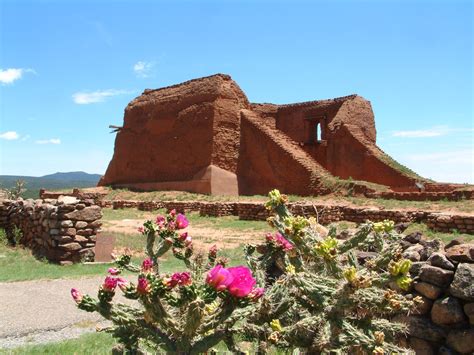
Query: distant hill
[{"x": 57, "y": 181}]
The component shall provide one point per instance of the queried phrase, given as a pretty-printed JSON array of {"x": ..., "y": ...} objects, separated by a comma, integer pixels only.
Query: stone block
[
  {"x": 80, "y": 224},
  {"x": 463, "y": 253},
  {"x": 462, "y": 340},
  {"x": 447, "y": 311},
  {"x": 463, "y": 283},
  {"x": 71, "y": 246},
  {"x": 428, "y": 290},
  {"x": 88, "y": 214},
  {"x": 436, "y": 276},
  {"x": 440, "y": 260}
]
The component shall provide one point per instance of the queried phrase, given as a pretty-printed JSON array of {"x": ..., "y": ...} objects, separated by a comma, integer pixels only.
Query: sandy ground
[{"x": 202, "y": 236}]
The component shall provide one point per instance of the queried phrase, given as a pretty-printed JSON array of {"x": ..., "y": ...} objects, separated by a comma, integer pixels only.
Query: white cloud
[
  {"x": 423, "y": 133},
  {"x": 9, "y": 136},
  {"x": 143, "y": 69},
  {"x": 435, "y": 131},
  {"x": 49, "y": 141},
  {"x": 84, "y": 98},
  {"x": 451, "y": 158},
  {"x": 8, "y": 76}
]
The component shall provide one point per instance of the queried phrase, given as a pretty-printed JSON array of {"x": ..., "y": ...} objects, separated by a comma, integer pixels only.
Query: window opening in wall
[{"x": 318, "y": 132}]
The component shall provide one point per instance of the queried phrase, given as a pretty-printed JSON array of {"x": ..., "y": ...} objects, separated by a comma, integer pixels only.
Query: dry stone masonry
[
  {"x": 443, "y": 222},
  {"x": 61, "y": 230},
  {"x": 444, "y": 279}
]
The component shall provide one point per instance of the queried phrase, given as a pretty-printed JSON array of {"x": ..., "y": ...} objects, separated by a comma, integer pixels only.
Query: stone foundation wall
[
  {"x": 62, "y": 230},
  {"x": 424, "y": 196},
  {"x": 443, "y": 222},
  {"x": 444, "y": 279}
]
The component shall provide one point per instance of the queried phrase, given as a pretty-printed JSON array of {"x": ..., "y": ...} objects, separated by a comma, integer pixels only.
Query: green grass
[
  {"x": 102, "y": 343},
  {"x": 227, "y": 222},
  {"x": 445, "y": 237},
  {"x": 18, "y": 263},
  {"x": 90, "y": 343}
]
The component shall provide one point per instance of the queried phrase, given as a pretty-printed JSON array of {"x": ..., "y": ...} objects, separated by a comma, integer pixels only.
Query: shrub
[{"x": 318, "y": 297}]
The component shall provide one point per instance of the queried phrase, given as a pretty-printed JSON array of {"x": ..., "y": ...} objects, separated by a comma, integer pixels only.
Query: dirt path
[{"x": 43, "y": 311}]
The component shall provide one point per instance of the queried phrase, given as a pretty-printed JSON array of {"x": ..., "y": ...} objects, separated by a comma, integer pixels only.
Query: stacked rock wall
[
  {"x": 61, "y": 230},
  {"x": 255, "y": 211},
  {"x": 444, "y": 279}
]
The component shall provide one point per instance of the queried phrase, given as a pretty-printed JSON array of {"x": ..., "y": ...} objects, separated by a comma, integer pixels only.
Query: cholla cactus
[
  {"x": 319, "y": 298},
  {"x": 185, "y": 312}
]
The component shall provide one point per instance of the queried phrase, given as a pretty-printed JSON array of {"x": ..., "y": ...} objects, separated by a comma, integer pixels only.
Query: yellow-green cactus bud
[
  {"x": 327, "y": 248},
  {"x": 275, "y": 325},
  {"x": 384, "y": 226},
  {"x": 404, "y": 282},
  {"x": 405, "y": 266},
  {"x": 350, "y": 274},
  {"x": 276, "y": 199},
  {"x": 290, "y": 269}
]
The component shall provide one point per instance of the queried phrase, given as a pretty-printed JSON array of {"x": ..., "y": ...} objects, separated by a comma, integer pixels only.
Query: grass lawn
[
  {"x": 90, "y": 343},
  {"x": 102, "y": 343},
  {"x": 445, "y": 237}
]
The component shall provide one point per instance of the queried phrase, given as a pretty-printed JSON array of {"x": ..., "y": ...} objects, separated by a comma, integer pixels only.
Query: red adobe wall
[
  {"x": 172, "y": 134},
  {"x": 347, "y": 148},
  {"x": 269, "y": 160}
]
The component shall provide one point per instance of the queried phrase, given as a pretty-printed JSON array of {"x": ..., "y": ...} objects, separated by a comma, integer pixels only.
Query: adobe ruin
[{"x": 205, "y": 136}]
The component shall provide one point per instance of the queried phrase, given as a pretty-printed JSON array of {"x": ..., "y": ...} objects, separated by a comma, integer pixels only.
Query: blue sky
[{"x": 69, "y": 68}]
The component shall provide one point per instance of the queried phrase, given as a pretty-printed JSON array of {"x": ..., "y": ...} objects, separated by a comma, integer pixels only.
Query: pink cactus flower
[
  {"x": 143, "y": 286},
  {"x": 76, "y": 295},
  {"x": 181, "y": 221},
  {"x": 256, "y": 293},
  {"x": 160, "y": 219},
  {"x": 141, "y": 230},
  {"x": 123, "y": 284},
  {"x": 172, "y": 226},
  {"x": 147, "y": 265},
  {"x": 242, "y": 283},
  {"x": 269, "y": 237},
  {"x": 188, "y": 241},
  {"x": 109, "y": 284},
  {"x": 180, "y": 279},
  {"x": 213, "y": 252},
  {"x": 121, "y": 281},
  {"x": 282, "y": 242},
  {"x": 183, "y": 236},
  {"x": 113, "y": 271},
  {"x": 172, "y": 213},
  {"x": 219, "y": 278}
]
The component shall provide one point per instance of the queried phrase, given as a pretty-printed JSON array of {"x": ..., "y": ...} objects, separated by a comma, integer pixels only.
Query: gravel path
[{"x": 43, "y": 311}]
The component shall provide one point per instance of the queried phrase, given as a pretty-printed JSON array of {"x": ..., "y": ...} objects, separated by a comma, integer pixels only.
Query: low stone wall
[
  {"x": 443, "y": 222},
  {"x": 444, "y": 279},
  {"x": 424, "y": 196},
  {"x": 62, "y": 230}
]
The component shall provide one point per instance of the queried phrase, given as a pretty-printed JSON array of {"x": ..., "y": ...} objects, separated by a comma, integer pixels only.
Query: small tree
[{"x": 16, "y": 191}]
